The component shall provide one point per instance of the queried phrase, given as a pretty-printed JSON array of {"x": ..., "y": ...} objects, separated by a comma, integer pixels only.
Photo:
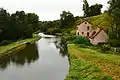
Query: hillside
[{"x": 102, "y": 21}]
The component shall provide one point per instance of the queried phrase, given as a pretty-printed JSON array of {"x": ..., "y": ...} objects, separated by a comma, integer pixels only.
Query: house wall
[
  {"x": 82, "y": 29},
  {"x": 101, "y": 37}
]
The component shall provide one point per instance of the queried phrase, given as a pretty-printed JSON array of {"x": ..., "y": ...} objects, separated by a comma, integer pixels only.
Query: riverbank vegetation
[
  {"x": 87, "y": 62},
  {"x": 16, "y": 30},
  {"x": 15, "y": 46},
  {"x": 16, "y": 26},
  {"x": 107, "y": 63}
]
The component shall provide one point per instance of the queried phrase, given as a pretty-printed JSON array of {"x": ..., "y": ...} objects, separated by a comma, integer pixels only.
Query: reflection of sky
[{"x": 50, "y": 66}]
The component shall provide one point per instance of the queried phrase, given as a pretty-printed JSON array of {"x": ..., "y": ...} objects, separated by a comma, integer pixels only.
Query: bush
[
  {"x": 105, "y": 48},
  {"x": 82, "y": 40},
  {"x": 5, "y": 42},
  {"x": 53, "y": 31},
  {"x": 73, "y": 32},
  {"x": 69, "y": 37},
  {"x": 114, "y": 43}
]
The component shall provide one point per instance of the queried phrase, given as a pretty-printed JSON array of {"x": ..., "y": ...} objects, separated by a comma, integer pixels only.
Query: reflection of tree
[
  {"x": 4, "y": 62},
  {"x": 62, "y": 45},
  {"x": 27, "y": 55}
]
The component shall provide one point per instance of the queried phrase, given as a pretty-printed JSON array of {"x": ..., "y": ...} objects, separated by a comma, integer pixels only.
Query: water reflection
[
  {"x": 45, "y": 60},
  {"x": 27, "y": 55},
  {"x": 59, "y": 44},
  {"x": 62, "y": 45}
]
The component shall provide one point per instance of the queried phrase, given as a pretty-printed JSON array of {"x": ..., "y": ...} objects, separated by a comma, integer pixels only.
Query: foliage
[
  {"x": 66, "y": 19},
  {"x": 68, "y": 37},
  {"x": 82, "y": 40},
  {"x": 95, "y": 9},
  {"x": 73, "y": 32},
  {"x": 92, "y": 10},
  {"x": 53, "y": 31},
  {"x": 5, "y": 42},
  {"x": 114, "y": 11},
  {"x": 105, "y": 48},
  {"x": 18, "y": 25},
  {"x": 86, "y": 8},
  {"x": 9, "y": 47},
  {"x": 45, "y": 25},
  {"x": 114, "y": 43}
]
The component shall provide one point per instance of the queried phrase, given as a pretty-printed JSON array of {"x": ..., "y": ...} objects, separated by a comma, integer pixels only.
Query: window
[
  {"x": 88, "y": 28},
  {"x": 78, "y": 33},
  {"x": 87, "y": 33},
  {"x": 85, "y": 22},
  {"x": 82, "y": 32}
]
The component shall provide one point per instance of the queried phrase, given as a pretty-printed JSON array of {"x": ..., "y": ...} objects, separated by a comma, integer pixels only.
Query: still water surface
[{"x": 45, "y": 60}]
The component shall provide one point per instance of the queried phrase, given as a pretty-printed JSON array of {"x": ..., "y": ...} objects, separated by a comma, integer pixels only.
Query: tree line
[
  {"x": 18, "y": 25},
  {"x": 21, "y": 25}
]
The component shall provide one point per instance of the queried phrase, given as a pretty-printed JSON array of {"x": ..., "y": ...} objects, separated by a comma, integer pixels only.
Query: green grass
[
  {"x": 20, "y": 43},
  {"x": 102, "y": 20},
  {"x": 81, "y": 69},
  {"x": 105, "y": 64}
]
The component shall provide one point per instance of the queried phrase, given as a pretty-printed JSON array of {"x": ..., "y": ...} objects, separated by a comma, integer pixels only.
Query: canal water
[{"x": 47, "y": 59}]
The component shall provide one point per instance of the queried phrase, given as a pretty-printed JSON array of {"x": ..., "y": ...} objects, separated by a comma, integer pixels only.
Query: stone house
[{"x": 95, "y": 36}]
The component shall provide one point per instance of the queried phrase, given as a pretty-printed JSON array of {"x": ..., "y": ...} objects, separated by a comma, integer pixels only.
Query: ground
[{"x": 89, "y": 64}]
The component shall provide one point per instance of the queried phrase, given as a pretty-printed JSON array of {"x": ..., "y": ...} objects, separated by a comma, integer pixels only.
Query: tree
[
  {"x": 86, "y": 8},
  {"x": 4, "y": 20},
  {"x": 66, "y": 19},
  {"x": 18, "y": 25},
  {"x": 95, "y": 9},
  {"x": 114, "y": 11},
  {"x": 92, "y": 10}
]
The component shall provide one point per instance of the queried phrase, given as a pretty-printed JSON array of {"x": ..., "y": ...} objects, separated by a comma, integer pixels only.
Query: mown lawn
[
  {"x": 89, "y": 64},
  {"x": 5, "y": 49}
]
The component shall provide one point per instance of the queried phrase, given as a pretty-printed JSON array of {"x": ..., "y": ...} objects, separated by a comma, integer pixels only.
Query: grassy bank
[
  {"x": 89, "y": 64},
  {"x": 16, "y": 45}
]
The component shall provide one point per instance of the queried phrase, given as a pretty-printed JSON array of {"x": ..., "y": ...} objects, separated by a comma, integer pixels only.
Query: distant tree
[
  {"x": 86, "y": 8},
  {"x": 66, "y": 19},
  {"x": 92, "y": 10},
  {"x": 4, "y": 20},
  {"x": 18, "y": 25},
  {"x": 114, "y": 11},
  {"x": 95, "y": 9}
]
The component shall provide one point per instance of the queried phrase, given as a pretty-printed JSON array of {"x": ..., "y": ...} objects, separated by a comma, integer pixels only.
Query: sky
[{"x": 48, "y": 9}]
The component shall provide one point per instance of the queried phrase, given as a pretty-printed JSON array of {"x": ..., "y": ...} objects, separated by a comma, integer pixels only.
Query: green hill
[{"x": 103, "y": 21}]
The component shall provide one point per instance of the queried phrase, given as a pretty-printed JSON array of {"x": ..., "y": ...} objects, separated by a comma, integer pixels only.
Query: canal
[{"x": 47, "y": 59}]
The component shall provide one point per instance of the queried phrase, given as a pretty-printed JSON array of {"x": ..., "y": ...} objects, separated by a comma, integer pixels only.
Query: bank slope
[
  {"x": 16, "y": 46},
  {"x": 88, "y": 64}
]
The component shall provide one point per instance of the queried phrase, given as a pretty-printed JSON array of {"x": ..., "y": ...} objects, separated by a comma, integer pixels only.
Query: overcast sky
[{"x": 48, "y": 9}]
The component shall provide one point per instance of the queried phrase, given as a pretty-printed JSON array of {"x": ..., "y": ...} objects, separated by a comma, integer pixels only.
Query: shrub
[
  {"x": 69, "y": 37},
  {"x": 73, "y": 32},
  {"x": 114, "y": 43},
  {"x": 105, "y": 48},
  {"x": 82, "y": 40},
  {"x": 5, "y": 42},
  {"x": 54, "y": 31}
]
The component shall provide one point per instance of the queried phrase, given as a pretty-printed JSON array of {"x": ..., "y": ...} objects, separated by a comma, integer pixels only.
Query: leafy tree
[
  {"x": 92, "y": 10},
  {"x": 114, "y": 11},
  {"x": 86, "y": 8},
  {"x": 95, "y": 9},
  {"x": 66, "y": 19},
  {"x": 4, "y": 20},
  {"x": 18, "y": 25}
]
